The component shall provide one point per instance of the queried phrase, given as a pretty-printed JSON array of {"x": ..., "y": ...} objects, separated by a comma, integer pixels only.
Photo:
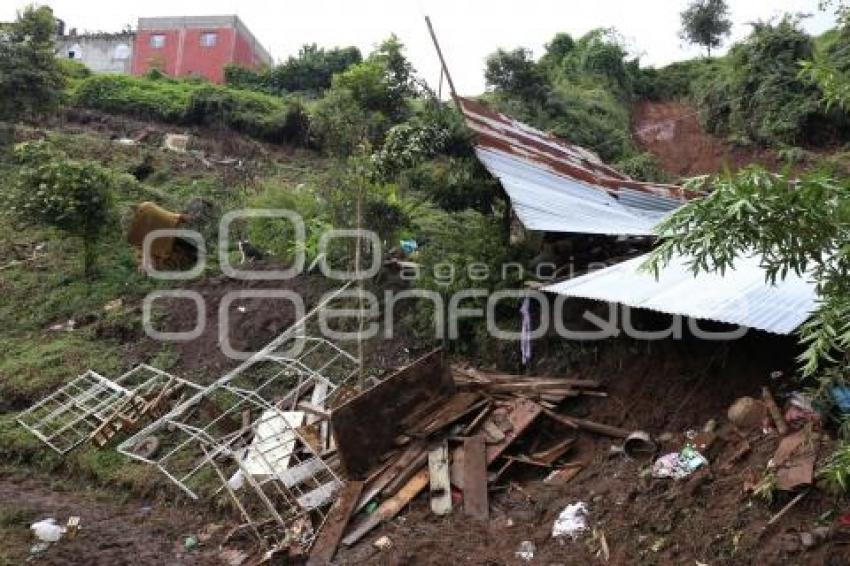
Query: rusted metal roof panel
[
  {"x": 559, "y": 187},
  {"x": 740, "y": 296}
]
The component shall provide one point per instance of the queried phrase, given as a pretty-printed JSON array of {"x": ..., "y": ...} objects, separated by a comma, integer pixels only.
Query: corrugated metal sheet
[
  {"x": 741, "y": 296},
  {"x": 555, "y": 186}
]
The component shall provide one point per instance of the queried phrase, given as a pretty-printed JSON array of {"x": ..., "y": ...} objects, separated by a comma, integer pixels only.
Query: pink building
[{"x": 195, "y": 45}]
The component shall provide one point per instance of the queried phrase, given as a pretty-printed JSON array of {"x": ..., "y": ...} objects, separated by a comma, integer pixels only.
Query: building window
[
  {"x": 157, "y": 41},
  {"x": 209, "y": 39},
  {"x": 76, "y": 52}
]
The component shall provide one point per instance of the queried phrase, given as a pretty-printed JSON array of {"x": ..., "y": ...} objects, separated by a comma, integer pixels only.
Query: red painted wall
[{"x": 183, "y": 54}]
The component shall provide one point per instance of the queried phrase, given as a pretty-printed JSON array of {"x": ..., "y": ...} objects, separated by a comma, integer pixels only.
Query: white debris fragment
[
  {"x": 572, "y": 521},
  {"x": 47, "y": 530},
  {"x": 526, "y": 550}
]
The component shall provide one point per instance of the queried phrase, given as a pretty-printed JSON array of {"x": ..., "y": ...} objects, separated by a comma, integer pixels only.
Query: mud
[
  {"x": 671, "y": 131},
  {"x": 111, "y": 533}
]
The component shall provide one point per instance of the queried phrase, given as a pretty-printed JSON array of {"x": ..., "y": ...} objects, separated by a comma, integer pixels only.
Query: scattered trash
[
  {"x": 236, "y": 481},
  {"x": 67, "y": 326},
  {"x": 678, "y": 465},
  {"x": 526, "y": 550},
  {"x": 73, "y": 527},
  {"x": 408, "y": 246},
  {"x": 126, "y": 141},
  {"x": 147, "y": 448},
  {"x": 841, "y": 396},
  {"x": 113, "y": 305},
  {"x": 190, "y": 544},
  {"x": 38, "y": 548},
  {"x": 799, "y": 410},
  {"x": 639, "y": 445},
  {"x": 47, "y": 530},
  {"x": 383, "y": 543},
  {"x": 572, "y": 521}
]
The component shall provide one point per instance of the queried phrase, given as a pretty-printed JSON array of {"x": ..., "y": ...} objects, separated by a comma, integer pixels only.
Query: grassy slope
[{"x": 50, "y": 289}]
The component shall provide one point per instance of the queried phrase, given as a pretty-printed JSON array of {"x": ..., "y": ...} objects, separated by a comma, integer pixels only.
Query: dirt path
[
  {"x": 671, "y": 131},
  {"x": 111, "y": 533}
]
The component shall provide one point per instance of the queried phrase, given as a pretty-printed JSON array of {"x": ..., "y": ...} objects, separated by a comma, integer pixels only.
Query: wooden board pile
[{"x": 452, "y": 432}]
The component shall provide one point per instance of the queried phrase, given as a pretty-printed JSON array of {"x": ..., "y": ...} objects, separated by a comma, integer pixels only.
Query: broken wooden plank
[
  {"x": 775, "y": 413},
  {"x": 316, "y": 413},
  {"x": 492, "y": 432},
  {"x": 392, "y": 472},
  {"x": 522, "y": 459},
  {"x": 455, "y": 408},
  {"x": 523, "y": 413},
  {"x": 550, "y": 455},
  {"x": 500, "y": 379},
  {"x": 599, "y": 428},
  {"x": 564, "y": 475},
  {"x": 404, "y": 476},
  {"x": 438, "y": 471},
  {"x": 477, "y": 420},
  {"x": 475, "y": 478},
  {"x": 389, "y": 508},
  {"x": 365, "y": 427},
  {"x": 329, "y": 537}
]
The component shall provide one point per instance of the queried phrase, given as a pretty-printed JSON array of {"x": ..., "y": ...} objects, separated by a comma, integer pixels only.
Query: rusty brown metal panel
[{"x": 366, "y": 427}]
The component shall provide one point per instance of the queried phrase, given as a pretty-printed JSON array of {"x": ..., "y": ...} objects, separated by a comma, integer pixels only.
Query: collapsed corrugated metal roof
[
  {"x": 741, "y": 296},
  {"x": 555, "y": 186}
]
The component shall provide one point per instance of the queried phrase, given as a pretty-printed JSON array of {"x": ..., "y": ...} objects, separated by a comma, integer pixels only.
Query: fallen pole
[{"x": 599, "y": 428}]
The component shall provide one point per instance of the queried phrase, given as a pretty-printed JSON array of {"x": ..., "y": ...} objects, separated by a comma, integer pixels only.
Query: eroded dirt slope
[{"x": 671, "y": 131}]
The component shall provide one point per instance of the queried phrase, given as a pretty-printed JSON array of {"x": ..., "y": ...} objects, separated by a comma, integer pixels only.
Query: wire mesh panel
[
  {"x": 260, "y": 436},
  {"x": 92, "y": 406},
  {"x": 67, "y": 417}
]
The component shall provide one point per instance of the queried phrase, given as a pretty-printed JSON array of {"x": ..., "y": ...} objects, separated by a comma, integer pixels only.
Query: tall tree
[
  {"x": 30, "y": 78},
  {"x": 515, "y": 73},
  {"x": 706, "y": 23}
]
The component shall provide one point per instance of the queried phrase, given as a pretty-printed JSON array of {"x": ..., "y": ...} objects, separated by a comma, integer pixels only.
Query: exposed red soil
[{"x": 671, "y": 131}]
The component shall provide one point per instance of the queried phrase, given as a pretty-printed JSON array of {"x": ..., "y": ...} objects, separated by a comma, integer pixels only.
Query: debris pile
[{"x": 451, "y": 432}]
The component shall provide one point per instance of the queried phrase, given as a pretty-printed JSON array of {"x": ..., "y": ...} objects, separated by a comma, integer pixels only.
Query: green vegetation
[
  {"x": 74, "y": 196},
  {"x": 30, "y": 79},
  {"x": 309, "y": 73},
  {"x": 758, "y": 94},
  {"x": 579, "y": 90},
  {"x": 192, "y": 103},
  {"x": 706, "y": 23}
]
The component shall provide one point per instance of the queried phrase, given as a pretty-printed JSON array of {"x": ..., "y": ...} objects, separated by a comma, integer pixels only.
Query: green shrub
[
  {"x": 182, "y": 102},
  {"x": 147, "y": 99},
  {"x": 254, "y": 114},
  {"x": 74, "y": 196},
  {"x": 757, "y": 92}
]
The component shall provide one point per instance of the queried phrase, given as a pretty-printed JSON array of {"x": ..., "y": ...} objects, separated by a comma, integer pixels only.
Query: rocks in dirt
[
  {"x": 747, "y": 413},
  {"x": 383, "y": 543}
]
